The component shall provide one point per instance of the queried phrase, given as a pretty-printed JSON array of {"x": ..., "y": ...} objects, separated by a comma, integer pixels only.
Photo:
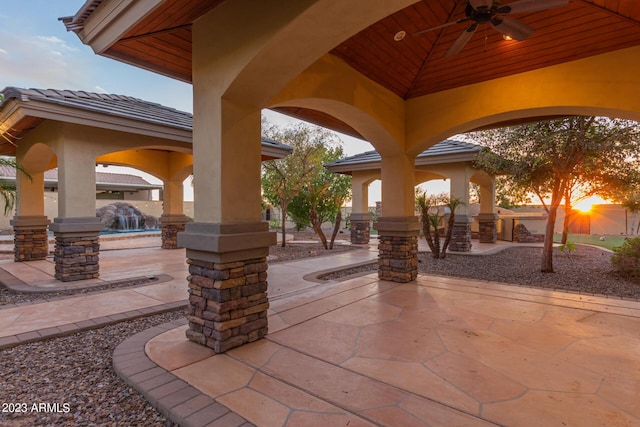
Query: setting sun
[{"x": 586, "y": 204}]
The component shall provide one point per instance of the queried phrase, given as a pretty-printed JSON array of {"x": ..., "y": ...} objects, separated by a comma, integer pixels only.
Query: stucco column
[
  {"x": 30, "y": 223},
  {"x": 461, "y": 236},
  {"x": 172, "y": 220},
  {"x": 76, "y": 228},
  {"x": 398, "y": 227},
  {"x": 487, "y": 218},
  {"x": 360, "y": 220},
  {"x": 227, "y": 244}
]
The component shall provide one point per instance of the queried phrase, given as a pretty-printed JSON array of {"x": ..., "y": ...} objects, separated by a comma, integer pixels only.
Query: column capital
[
  {"x": 227, "y": 242},
  {"x": 398, "y": 225},
  {"x": 76, "y": 226},
  {"x": 29, "y": 221}
]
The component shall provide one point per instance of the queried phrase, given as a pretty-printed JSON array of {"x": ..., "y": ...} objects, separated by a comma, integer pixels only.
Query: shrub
[{"x": 626, "y": 258}]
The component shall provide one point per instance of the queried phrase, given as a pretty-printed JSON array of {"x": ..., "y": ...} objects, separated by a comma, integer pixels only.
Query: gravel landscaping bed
[
  {"x": 76, "y": 370},
  {"x": 586, "y": 271}
]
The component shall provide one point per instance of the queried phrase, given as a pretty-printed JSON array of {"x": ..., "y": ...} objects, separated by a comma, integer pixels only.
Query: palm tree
[{"x": 8, "y": 189}]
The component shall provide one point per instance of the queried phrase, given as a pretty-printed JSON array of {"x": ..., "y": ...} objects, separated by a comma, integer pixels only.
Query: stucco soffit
[
  {"x": 112, "y": 20},
  {"x": 88, "y": 118}
]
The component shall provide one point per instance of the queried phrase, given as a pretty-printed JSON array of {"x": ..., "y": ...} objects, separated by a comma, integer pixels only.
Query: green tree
[
  {"x": 301, "y": 175},
  {"x": 430, "y": 217},
  {"x": 551, "y": 158},
  {"x": 324, "y": 193}
]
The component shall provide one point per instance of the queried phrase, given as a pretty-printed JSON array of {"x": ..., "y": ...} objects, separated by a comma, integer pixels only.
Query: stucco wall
[{"x": 147, "y": 206}]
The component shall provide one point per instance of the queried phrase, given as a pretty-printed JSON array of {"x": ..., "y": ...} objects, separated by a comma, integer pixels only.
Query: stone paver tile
[
  {"x": 331, "y": 383},
  {"x": 206, "y": 415},
  {"x": 391, "y": 417},
  {"x": 223, "y": 375},
  {"x": 172, "y": 350},
  {"x": 528, "y": 367},
  {"x": 480, "y": 382},
  {"x": 329, "y": 341},
  {"x": 399, "y": 340},
  {"x": 190, "y": 407},
  {"x": 414, "y": 378},
  {"x": 257, "y": 353},
  {"x": 614, "y": 356},
  {"x": 362, "y": 313},
  {"x": 228, "y": 420},
  {"x": 256, "y": 407},
  {"x": 156, "y": 381},
  {"x": 532, "y": 335},
  {"x": 622, "y": 391},
  {"x": 290, "y": 396},
  {"x": 434, "y": 414},
  {"x": 495, "y": 307},
  {"x": 9, "y": 341},
  {"x": 311, "y": 419},
  {"x": 177, "y": 398},
  {"x": 545, "y": 408}
]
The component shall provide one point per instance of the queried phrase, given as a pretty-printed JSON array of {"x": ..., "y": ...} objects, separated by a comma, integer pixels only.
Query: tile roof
[
  {"x": 117, "y": 106},
  {"x": 443, "y": 152},
  {"x": 114, "y": 105}
]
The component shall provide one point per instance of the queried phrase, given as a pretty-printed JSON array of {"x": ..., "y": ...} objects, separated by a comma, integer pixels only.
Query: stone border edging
[
  {"x": 12, "y": 282},
  {"x": 174, "y": 398},
  {"x": 98, "y": 322}
]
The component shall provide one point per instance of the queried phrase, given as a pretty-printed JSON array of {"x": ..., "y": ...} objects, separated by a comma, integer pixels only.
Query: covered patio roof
[
  {"x": 22, "y": 110},
  {"x": 448, "y": 151},
  {"x": 157, "y": 35}
]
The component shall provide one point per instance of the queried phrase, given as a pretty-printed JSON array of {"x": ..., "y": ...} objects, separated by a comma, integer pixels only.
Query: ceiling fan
[{"x": 495, "y": 13}]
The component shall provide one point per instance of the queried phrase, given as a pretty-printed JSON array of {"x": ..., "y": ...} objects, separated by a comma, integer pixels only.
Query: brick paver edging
[
  {"x": 98, "y": 322},
  {"x": 174, "y": 398}
]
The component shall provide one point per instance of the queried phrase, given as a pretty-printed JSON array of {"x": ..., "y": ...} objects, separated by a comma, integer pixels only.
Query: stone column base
[
  {"x": 360, "y": 228},
  {"x": 77, "y": 248},
  {"x": 488, "y": 226},
  {"x": 171, "y": 225},
  {"x": 461, "y": 236},
  {"x": 398, "y": 248},
  {"x": 31, "y": 241},
  {"x": 227, "y": 282}
]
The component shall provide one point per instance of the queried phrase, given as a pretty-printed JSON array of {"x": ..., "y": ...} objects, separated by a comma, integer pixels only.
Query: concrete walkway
[{"x": 438, "y": 351}]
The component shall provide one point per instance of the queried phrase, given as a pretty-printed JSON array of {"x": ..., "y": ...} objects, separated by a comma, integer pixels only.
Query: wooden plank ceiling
[{"x": 416, "y": 65}]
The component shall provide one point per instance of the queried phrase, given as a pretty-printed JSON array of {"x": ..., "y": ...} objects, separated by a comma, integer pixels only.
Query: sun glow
[{"x": 586, "y": 204}]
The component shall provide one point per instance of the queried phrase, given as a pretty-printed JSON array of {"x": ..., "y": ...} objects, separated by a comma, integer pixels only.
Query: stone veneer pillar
[
  {"x": 461, "y": 235},
  {"x": 170, "y": 226},
  {"x": 77, "y": 248},
  {"x": 488, "y": 230},
  {"x": 398, "y": 248},
  {"x": 227, "y": 282},
  {"x": 31, "y": 241},
  {"x": 360, "y": 227}
]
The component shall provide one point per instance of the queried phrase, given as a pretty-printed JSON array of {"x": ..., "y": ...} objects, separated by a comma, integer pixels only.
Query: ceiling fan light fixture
[
  {"x": 507, "y": 37},
  {"x": 399, "y": 35}
]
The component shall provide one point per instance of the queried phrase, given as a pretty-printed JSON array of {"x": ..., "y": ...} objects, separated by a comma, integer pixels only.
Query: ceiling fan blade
[
  {"x": 481, "y": 3},
  {"x": 448, "y": 24},
  {"x": 511, "y": 27},
  {"x": 530, "y": 6},
  {"x": 462, "y": 40}
]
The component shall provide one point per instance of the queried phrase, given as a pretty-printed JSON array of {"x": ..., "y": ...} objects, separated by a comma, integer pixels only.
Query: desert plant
[
  {"x": 430, "y": 217},
  {"x": 626, "y": 258}
]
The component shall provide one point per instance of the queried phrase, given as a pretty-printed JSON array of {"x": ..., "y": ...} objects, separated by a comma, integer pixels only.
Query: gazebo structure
[
  {"x": 75, "y": 131},
  {"x": 365, "y": 68},
  {"x": 447, "y": 159}
]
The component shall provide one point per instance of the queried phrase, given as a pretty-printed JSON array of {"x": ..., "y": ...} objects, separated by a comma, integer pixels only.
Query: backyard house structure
[
  {"x": 75, "y": 131},
  {"x": 447, "y": 159},
  {"x": 111, "y": 186},
  {"x": 359, "y": 67}
]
